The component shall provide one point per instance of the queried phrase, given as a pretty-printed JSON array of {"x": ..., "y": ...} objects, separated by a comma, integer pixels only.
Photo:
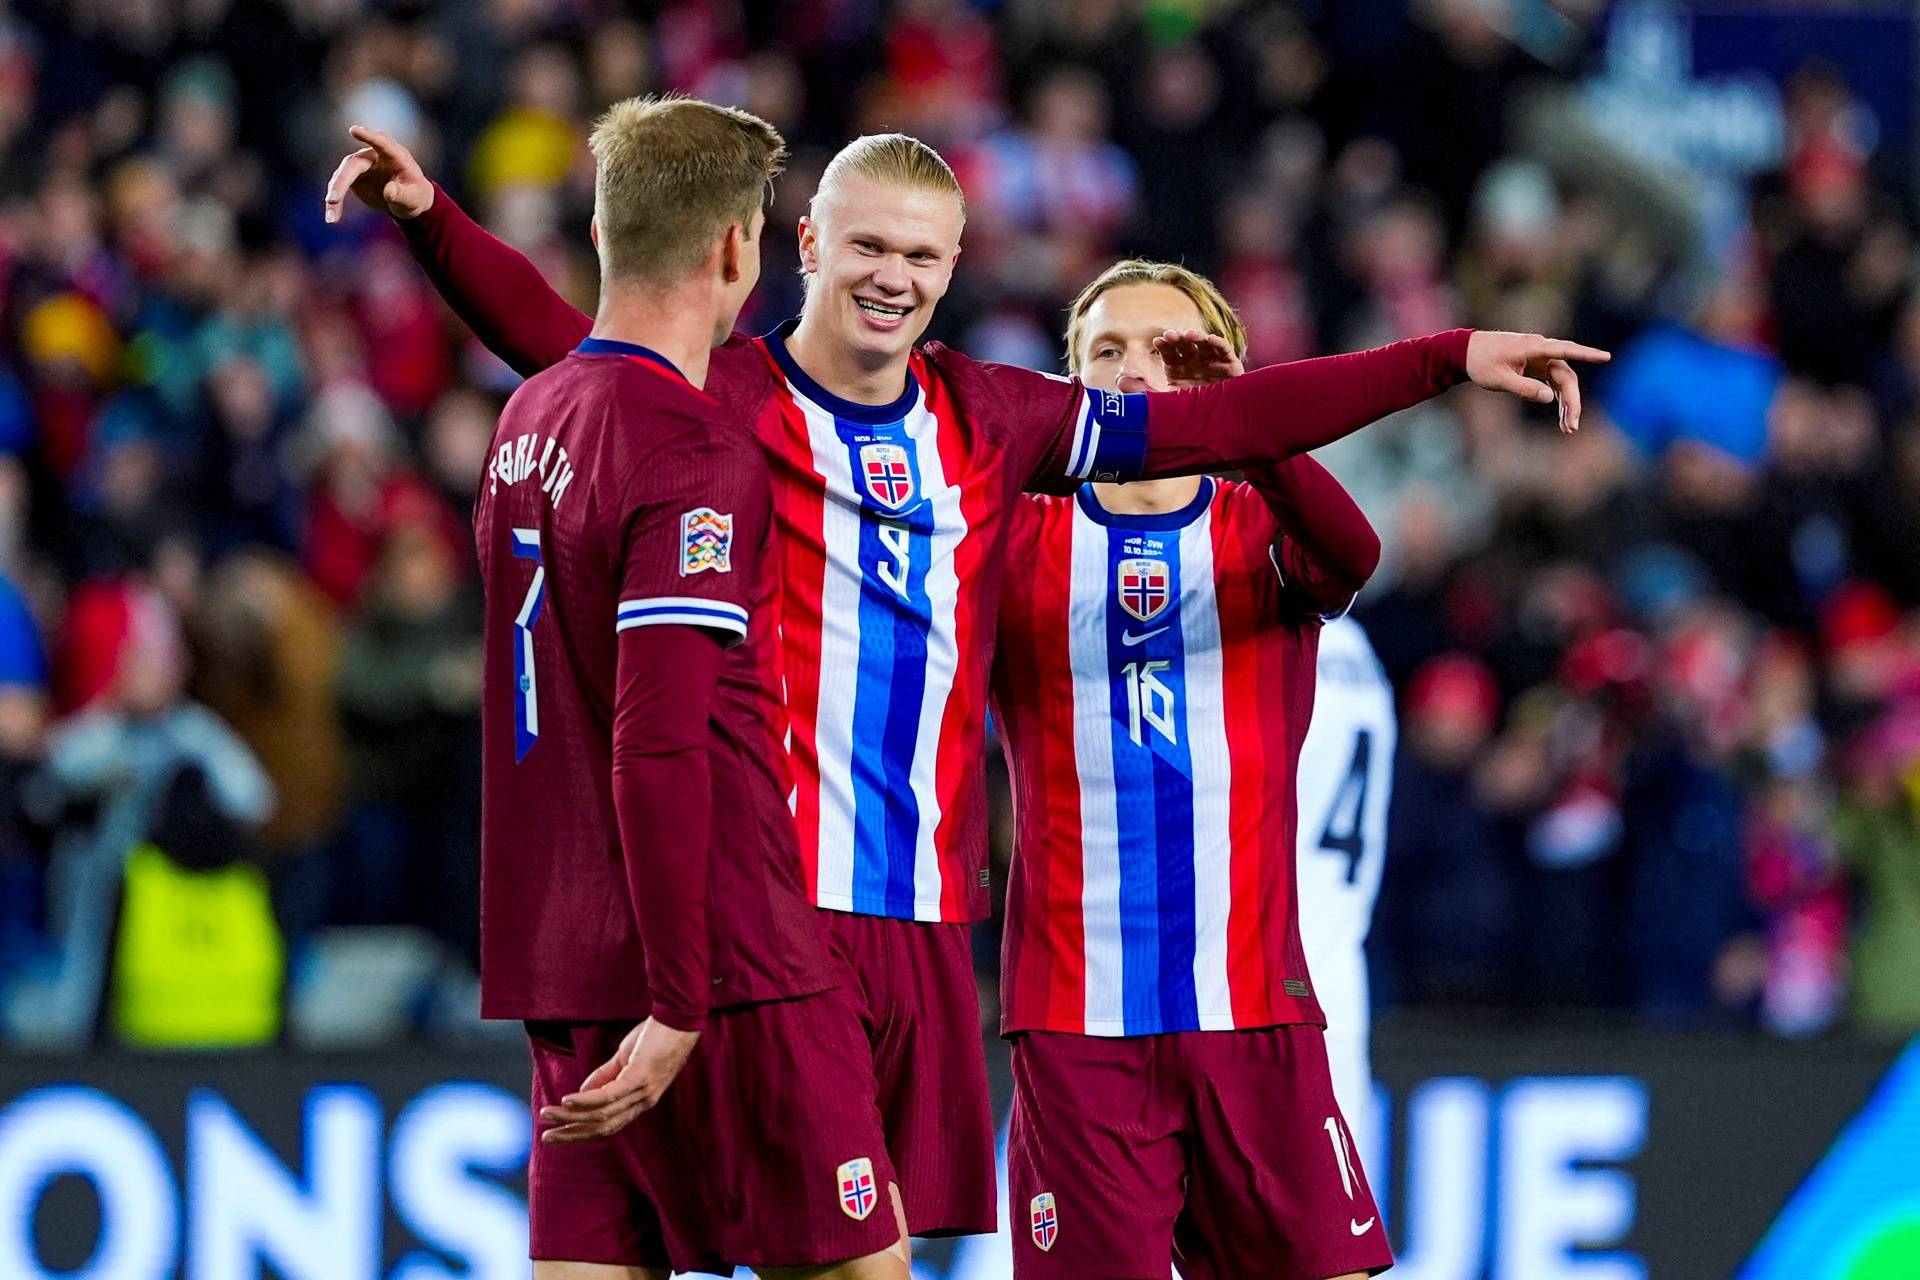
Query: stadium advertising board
[{"x": 1550, "y": 1158}]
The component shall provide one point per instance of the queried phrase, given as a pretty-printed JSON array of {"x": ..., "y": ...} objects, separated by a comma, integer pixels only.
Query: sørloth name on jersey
[{"x": 531, "y": 456}]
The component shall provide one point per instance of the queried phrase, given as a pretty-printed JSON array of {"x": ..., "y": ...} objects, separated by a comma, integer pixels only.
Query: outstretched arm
[
  {"x": 1219, "y": 422},
  {"x": 489, "y": 284},
  {"x": 1273, "y": 413}
]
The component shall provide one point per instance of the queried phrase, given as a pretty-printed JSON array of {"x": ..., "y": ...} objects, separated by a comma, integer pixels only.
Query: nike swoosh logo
[
  {"x": 1359, "y": 1228},
  {"x": 1129, "y": 639}
]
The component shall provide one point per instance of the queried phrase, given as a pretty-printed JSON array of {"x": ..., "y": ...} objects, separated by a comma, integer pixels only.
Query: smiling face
[
  {"x": 1116, "y": 347},
  {"x": 879, "y": 256}
]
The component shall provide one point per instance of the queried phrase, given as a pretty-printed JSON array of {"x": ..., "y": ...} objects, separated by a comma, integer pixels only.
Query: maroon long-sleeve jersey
[{"x": 637, "y": 851}]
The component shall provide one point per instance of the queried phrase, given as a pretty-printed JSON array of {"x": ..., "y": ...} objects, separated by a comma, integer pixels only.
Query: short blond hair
[
  {"x": 674, "y": 173},
  {"x": 1216, "y": 313},
  {"x": 892, "y": 158}
]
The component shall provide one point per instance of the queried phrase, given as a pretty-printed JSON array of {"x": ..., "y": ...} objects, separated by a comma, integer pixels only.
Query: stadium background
[{"x": 1649, "y": 942}]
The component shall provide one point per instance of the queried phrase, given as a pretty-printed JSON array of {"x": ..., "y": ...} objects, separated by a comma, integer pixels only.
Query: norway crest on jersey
[
  {"x": 888, "y": 474},
  {"x": 858, "y": 1194},
  {"x": 1044, "y": 1219},
  {"x": 1142, "y": 584}
]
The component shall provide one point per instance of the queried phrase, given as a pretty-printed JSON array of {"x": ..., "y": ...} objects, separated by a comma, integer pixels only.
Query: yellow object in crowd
[{"x": 199, "y": 962}]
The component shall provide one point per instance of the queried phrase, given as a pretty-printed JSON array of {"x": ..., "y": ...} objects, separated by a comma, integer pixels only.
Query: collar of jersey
[
  {"x": 614, "y": 347},
  {"x": 1179, "y": 518},
  {"x": 872, "y": 415}
]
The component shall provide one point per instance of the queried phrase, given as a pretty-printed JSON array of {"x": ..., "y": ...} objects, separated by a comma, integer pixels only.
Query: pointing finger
[
  {"x": 374, "y": 138},
  {"x": 1555, "y": 349}
]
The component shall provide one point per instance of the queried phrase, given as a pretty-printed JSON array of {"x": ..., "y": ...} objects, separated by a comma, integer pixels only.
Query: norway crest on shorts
[
  {"x": 706, "y": 542},
  {"x": 888, "y": 473},
  {"x": 1045, "y": 1220},
  {"x": 857, "y": 1191},
  {"x": 1142, "y": 585}
]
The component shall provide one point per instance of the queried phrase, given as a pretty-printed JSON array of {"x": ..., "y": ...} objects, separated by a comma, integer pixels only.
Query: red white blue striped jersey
[
  {"x": 1153, "y": 685},
  {"x": 893, "y": 523}
]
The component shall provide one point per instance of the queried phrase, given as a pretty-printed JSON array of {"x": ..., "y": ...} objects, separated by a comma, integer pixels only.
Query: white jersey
[
  {"x": 1346, "y": 777},
  {"x": 1345, "y": 781}
]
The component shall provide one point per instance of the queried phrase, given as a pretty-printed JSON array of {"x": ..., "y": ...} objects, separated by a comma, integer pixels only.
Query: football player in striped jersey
[{"x": 1153, "y": 684}]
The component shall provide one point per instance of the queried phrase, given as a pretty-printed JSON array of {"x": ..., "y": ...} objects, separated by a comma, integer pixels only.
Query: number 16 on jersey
[{"x": 526, "y": 717}]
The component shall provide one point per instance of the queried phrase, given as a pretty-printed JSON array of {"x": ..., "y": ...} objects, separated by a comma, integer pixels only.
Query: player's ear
[
  {"x": 733, "y": 248},
  {"x": 593, "y": 230},
  {"x": 809, "y": 244}
]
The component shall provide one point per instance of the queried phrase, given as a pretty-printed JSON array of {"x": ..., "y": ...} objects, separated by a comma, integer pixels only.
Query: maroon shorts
[
  {"x": 914, "y": 983},
  {"x": 766, "y": 1150},
  {"x": 1220, "y": 1151}
]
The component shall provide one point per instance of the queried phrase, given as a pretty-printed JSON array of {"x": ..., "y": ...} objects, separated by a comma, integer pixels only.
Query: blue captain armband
[{"x": 1109, "y": 437}]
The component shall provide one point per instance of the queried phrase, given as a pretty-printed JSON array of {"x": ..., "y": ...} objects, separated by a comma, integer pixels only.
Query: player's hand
[
  {"x": 1193, "y": 358},
  {"x": 385, "y": 176},
  {"x": 1531, "y": 367},
  {"x": 630, "y": 1082}
]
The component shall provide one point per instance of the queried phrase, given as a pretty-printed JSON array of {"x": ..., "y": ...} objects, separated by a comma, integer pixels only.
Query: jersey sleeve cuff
[
  {"x": 684, "y": 611},
  {"x": 680, "y": 1017},
  {"x": 1286, "y": 585},
  {"x": 1109, "y": 437}
]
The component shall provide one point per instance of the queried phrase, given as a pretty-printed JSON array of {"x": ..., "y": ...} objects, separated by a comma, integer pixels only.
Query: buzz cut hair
[
  {"x": 1216, "y": 313},
  {"x": 673, "y": 173},
  {"x": 890, "y": 158}
]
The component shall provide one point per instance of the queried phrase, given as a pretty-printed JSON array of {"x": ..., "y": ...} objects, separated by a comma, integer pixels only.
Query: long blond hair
[{"x": 1216, "y": 313}]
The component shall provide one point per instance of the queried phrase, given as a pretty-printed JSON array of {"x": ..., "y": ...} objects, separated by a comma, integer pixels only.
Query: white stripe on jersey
[
  {"x": 1206, "y": 725},
  {"x": 839, "y": 656},
  {"x": 1093, "y": 759},
  {"x": 943, "y": 654}
]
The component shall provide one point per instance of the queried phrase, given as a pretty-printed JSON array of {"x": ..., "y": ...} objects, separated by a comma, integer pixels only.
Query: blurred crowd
[{"x": 1660, "y": 681}]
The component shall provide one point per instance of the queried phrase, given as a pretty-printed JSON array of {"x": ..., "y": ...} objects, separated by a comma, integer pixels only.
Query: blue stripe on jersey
[
  {"x": 896, "y": 618},
  {"x": 1153, "y": 783}
]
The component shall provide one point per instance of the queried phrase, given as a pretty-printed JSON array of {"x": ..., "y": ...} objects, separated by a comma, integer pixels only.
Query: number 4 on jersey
[
  {"x": 1342, "y": 834},
  {"x": 526, "y": 717}
]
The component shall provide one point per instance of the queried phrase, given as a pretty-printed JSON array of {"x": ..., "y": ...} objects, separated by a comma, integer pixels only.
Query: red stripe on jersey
[
  {"x": 1246, "y": 708},
  {"x": 1046, "y": 953},
  {"x": 798, "y": 498},
  {"x": 958, "y": 760},
  {"x": 1066, "y": 873}
]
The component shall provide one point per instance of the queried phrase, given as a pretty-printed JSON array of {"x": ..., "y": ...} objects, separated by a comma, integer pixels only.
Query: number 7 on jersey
[{"x": 526, "y": 717}]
